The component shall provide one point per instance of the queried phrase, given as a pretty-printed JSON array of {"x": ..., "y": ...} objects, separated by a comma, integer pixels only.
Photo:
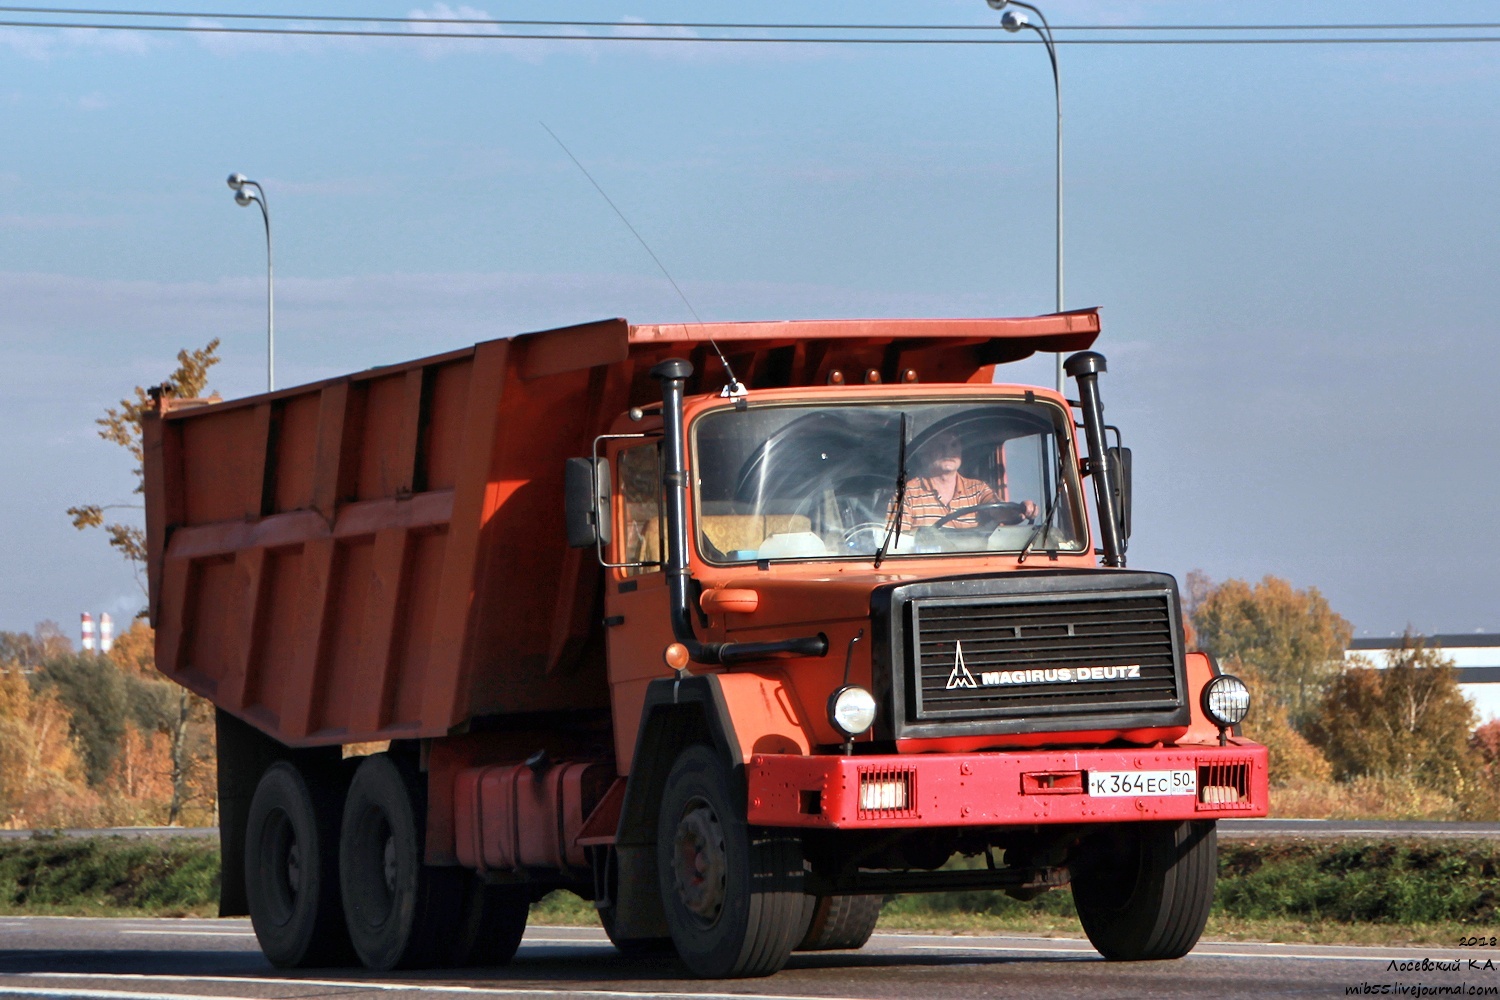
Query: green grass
[
  {"x": 109, "y": 877},
  {"x": 1364, "y": 892}
]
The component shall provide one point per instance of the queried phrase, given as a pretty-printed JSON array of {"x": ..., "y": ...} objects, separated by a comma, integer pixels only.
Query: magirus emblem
[{"x": 960, "y": 677}]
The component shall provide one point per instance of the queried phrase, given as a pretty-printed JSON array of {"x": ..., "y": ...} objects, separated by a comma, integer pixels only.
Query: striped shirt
[{"x": 923, "y": 505}]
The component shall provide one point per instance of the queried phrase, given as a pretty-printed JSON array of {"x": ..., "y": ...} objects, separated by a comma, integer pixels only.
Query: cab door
[{"x": 638, "y": 628}]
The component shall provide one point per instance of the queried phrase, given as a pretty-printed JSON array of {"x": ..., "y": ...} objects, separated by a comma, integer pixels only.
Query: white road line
[
  {"x": 369, "y": 984},
  {"x": 183, "y": 933},
  {"x": 1196, "y": 953},
  {"x": 39, "y": 991}
]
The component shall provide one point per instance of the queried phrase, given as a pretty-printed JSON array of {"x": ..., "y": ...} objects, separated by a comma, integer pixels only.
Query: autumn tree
[
  {"x": 1404, "y": 721},
  {"x": 41, "y": 773},
  {"x": 93, "y": 689},
  {"x": 121, "y": 425},
  {"x": 1292, "y": 757},
  {"x": 28, "y": 651},
  {"x": 155, "y": 705},
  {"x": 1292, "y": 638}
]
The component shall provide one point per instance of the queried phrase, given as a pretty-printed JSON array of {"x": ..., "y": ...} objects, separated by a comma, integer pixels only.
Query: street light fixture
[
  {"x": 243, "y": 196},
  {"x": 1014, "y": 21}
]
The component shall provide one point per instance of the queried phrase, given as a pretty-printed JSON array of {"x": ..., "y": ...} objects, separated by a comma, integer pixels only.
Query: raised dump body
[{"x": 731, "y": 644}]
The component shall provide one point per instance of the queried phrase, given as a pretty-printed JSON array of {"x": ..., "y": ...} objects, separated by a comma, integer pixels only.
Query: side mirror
[
  {"x": 586, "y": 513},
  {"x": 1119, "y": 460}
]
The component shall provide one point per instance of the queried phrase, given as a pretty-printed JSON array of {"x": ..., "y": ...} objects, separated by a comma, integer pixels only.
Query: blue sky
[{"x": 1294, "y": 246}]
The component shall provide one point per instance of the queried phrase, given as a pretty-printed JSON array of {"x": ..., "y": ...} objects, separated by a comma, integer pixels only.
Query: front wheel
[
  {"x": 1143, "y": 890},
  {"x": 732, "y": 893}
]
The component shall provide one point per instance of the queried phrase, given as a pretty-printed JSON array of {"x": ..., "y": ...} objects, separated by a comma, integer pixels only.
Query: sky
[{"x": 1294, "y": 247}]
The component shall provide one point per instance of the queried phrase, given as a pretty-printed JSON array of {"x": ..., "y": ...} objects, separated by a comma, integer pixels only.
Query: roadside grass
[
  {"x": 1370, "y": 892},
  {"x": 109, "y": 877}
]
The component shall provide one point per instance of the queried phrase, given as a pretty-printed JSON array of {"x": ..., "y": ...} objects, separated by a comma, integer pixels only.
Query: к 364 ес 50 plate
[{"x": 1183, "y": 782}]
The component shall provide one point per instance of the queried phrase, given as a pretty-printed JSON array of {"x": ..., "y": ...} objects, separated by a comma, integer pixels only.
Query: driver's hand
[{"x": 1028, "y": 508}]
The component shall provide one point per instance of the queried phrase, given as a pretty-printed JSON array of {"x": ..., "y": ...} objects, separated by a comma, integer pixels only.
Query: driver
[{"x": 942, "y": 489}]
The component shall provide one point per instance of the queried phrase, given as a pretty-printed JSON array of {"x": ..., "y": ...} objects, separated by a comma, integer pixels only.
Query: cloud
[
  {"x": 43, "y": 44},
  {"x": 428, "y": 21},
  {"x": 222, "y": 43}
]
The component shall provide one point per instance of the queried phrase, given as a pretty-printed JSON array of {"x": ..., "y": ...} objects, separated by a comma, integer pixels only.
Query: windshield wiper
[
  {"x": 1051, "y": 515},
  {"x": 893, "y": 525}
]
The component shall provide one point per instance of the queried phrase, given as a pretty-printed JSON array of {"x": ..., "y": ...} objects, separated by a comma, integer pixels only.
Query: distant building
[{"x": 1476, "y": 655}]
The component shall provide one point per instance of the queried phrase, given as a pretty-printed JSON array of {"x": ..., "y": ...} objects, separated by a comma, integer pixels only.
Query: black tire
[
  {"x": 633, "y": 947},
  {"x": 1143, "y": 891},
  {"x": 732, "y": 893},
  {"x": 291, "y": 870},
  {"x": 491, "y": 921},
  {"x": 840, "y": 923},
  {"x": 401, "y": 914}
]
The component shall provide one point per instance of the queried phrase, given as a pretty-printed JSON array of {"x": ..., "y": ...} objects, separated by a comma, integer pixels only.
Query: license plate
[{"x": 1183, "y": 782}]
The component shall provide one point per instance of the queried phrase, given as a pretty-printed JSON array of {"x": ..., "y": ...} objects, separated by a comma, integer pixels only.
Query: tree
[
  {"x": 93, "y": 689},
  {"x": 122, "y": 426},
  {"x": 157, "y": 706},
  {"x": 134, "y": 650},
  {"x": 1292, "y": 637},
  {"x": 27, "y": 652},
  {"x": 40, "y": 770},
  {"x": 1405, "y": 721},
  {"x": 1292, "y": 756}
]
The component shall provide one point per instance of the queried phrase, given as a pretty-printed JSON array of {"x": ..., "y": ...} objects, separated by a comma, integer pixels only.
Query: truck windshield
[{"x": 818, "y": 482}]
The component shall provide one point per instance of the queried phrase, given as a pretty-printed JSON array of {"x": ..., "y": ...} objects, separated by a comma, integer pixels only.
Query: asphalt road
[
  {"x": 1228, "y": 828},
  {"x": 58, "y": 957}
]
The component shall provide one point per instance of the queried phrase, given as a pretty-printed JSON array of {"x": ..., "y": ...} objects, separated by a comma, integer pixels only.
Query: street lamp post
[
  {"x": 241, "y": 184},
  {"x": 1014, "y": 21}
]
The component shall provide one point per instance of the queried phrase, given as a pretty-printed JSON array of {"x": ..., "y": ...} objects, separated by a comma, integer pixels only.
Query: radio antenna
[{"x": 735, "y": 387}]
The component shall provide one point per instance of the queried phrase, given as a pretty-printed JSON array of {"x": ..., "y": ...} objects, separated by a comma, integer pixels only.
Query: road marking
[
  {"x": 1195, "y": 953},
  {"x": 41, "y": 991},
  {"x": 367, "y": 984},
  {"x": 179, "y": 933}
]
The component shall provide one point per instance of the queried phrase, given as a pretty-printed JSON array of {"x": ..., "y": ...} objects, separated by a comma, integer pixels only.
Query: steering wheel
[
  {"x": 874, "y": 530},
  {"x": 1012, "y": 513}
]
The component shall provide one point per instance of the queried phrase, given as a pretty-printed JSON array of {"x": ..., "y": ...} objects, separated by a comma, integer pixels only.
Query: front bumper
[{"x": 1003, "y": 788}]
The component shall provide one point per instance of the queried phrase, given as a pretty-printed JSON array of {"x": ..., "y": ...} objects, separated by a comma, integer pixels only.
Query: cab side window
[{"x": 641, "y": 537}]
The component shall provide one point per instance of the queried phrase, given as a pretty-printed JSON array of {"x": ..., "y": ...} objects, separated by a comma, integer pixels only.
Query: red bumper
[{"x": 1023, "y": 787}]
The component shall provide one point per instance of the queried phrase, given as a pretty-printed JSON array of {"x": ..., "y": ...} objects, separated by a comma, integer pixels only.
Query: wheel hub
[
  {"x": 390, "y": 864},
  {"x": 294, "y": 869},
  {"x": 699, "y": 867}
]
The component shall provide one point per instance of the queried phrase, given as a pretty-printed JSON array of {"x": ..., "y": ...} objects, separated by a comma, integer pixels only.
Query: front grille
[{"x": 1036, "y": 656}]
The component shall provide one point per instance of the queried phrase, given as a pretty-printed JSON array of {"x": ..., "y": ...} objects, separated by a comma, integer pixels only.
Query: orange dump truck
[{"x": 730, "y": 628}]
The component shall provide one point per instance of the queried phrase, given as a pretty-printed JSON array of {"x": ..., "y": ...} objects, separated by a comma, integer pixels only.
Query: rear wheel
[
  {"x": 400, "y": 913},
  {"x": 1145, "y": 890},
  {"x": 291, "y": 870},
  {"x": 492, "y": 919},
  {"x": 840, "y": 922},
  {"x": 732, "y": 893}
]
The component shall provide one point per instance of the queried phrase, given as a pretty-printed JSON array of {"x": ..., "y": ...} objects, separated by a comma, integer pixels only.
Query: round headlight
[
  {"x": 851, "y": 709},
  {"x": 1226, "y": 700}
]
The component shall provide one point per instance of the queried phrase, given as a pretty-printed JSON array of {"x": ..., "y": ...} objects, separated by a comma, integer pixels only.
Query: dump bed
[{"x": 383, "y": 556}]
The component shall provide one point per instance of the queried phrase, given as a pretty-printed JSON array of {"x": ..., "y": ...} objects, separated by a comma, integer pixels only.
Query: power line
[
  {"x": 727, "y": 39},
  {"x": 738, "y": 25}
]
